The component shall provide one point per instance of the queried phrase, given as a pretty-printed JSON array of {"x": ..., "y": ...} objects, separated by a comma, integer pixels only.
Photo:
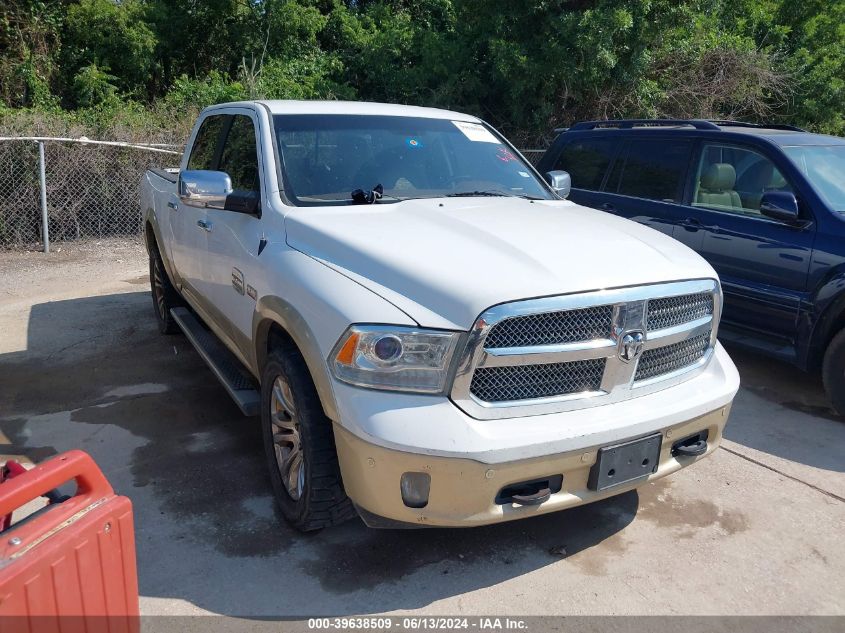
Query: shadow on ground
[{"x": 783, "y": 411}]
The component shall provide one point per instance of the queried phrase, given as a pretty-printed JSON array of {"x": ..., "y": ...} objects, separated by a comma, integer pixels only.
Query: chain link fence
[{"x": 91, "y": 187}]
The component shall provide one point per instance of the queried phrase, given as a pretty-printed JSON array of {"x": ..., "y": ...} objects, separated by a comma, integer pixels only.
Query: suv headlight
[{"x": 394, "y": 357}]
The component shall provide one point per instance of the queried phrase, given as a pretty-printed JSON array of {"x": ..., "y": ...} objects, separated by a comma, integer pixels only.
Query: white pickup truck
[{"x": 430, "y": 332}]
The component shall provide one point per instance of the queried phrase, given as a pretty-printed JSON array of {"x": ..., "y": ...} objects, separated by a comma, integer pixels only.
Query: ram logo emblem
[{"x": 631, "y": 346}]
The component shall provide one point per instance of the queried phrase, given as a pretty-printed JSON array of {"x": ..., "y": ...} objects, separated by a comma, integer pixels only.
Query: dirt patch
[{"x": 660, "y": 506}]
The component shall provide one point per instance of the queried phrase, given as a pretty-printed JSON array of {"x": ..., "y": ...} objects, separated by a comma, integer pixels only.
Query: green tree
[{"x": 115, "y": 39}]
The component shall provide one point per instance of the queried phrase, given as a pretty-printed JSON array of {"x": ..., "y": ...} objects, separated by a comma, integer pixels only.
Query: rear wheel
[
  {"x": 833, "y": 372},
  {"x": 164, "y": 294},
  {"x": 299, "y": 446}
]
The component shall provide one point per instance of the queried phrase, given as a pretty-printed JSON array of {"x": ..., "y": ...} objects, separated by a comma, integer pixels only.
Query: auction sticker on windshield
[{"x": 475, "y": 132}]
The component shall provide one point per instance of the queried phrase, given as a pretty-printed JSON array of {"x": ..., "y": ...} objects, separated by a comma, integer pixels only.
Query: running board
[{"x": 229, "y": 371}]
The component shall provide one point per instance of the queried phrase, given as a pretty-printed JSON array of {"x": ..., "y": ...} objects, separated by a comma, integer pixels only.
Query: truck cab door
[
  {"x": 188, "y": 224},
  {"x": 234, "y": 240}
]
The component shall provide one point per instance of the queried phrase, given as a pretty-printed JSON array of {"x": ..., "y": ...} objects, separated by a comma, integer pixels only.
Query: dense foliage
[{"x": 525, "y": 66}]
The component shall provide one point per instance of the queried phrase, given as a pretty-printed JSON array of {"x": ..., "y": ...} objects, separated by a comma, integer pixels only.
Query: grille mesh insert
[
  {"x": 663, "y": 360},
  {"x": 670, "y": 311},
  {"x": 523, "y": 382},
  {"x": 551, "y": 328}
]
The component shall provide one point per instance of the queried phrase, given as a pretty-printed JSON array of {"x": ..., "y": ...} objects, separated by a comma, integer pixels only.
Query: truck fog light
[{"x": 415, "y": 488}]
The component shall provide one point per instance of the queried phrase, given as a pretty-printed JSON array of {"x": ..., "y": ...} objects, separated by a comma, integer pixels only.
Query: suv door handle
[
  {"x": 172, "y": 205},
  {"x": 608, "y": 207},
  {"x": 692, "y": 224},
  {"x": 205, "y": 225}
]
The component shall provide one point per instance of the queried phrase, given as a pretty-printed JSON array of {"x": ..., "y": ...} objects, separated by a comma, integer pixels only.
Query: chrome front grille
[
  {"x": 666, "y": 312},
  {"x": 525, "y": 382},
  {"x": 573, "y": 351},
  {"x": 551, "y": 328},
  {"x": 665, "y": 360}
]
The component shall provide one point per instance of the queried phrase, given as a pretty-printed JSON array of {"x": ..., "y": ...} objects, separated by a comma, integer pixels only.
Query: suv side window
[
  {"x": 734, "y": 179},
  {"x": 205, "y": 144},
  {"x": 239, "y": 157},
  {"x": 587, "y": 160},
  {"x": 653, "y": 169}
]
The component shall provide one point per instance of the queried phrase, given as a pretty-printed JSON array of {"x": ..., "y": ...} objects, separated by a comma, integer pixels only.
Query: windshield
[
  {"x": 824, "y": 167},
  {"x": 327, "y": 157}
]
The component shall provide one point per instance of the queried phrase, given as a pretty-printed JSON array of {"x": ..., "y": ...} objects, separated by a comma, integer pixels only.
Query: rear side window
[
  {"x": 587, "y": 160},
  {"x": 239, "y": 157},
  {"x": 652, "y": 169},
  {"x": 205, "y": 145}
]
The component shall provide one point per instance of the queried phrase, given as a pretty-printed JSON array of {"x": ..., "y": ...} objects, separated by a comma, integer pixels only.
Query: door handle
[
  {"x": 172, "y": 205},
  {"x": 205, "y": 225},
  {"x": 608, "y": 207},
  {"x": 692, "y": 224}
]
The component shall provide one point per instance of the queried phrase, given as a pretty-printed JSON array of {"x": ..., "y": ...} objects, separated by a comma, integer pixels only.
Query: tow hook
[
  {"x": 691, "y": 446},
  {"x": 536, "y": 499},
  {"x": 530, "y": 493}
]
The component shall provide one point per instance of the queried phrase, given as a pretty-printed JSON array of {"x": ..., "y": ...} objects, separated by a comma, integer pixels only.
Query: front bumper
[
  {"x": 382, "y": 435},
  {"x": 463, "y": 491}
]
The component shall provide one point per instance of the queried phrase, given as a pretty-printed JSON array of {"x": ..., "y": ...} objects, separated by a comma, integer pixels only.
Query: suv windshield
[
  {"x": 326, "y": 157},
  {"x": 824, "y": 167}
]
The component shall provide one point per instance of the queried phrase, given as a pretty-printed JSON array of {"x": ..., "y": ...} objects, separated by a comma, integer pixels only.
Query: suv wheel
[
  {"x": 833, "y": 372},
  {"x": 165, "y": 296},
  {"x": 299, "y": 446}
]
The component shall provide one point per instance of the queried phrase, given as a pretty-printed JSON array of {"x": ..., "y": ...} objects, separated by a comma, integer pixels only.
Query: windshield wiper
[
  {"x": 359, "y": 196},
  {"x": 495, "y": 193}
]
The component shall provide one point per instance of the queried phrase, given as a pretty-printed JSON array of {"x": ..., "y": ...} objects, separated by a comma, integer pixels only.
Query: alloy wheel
[
  {"x": 286, "y": 439},
  {"x": 158, "y": 288}
]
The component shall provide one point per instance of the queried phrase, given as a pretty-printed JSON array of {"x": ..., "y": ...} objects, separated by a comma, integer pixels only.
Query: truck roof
[{"x": 353, "y": 107}]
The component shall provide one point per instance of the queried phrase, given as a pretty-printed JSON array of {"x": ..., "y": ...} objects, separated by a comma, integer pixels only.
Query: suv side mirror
[
  {"x": 560, "y": 181},
  {"x": 204, "y": 189},
  {"x": 779, "y": 205}
]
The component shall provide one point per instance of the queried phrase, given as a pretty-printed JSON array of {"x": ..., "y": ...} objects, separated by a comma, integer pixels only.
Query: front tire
[
  {"x": 299, "y": 446},
  {"x": 833, "y": 372}
]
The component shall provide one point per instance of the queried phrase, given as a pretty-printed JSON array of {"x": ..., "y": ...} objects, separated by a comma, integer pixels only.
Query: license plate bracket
[{"x": 626, "y": 462}]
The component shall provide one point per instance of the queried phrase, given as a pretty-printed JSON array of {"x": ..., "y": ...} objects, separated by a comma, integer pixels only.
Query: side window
[
  {"x": 239, "y": 158},
  {"x": 205, "y": 144},
  {"x": 587, "y": 160},
  {"x": 734, "y": 179},
  {"x": 652, "y": 169}
]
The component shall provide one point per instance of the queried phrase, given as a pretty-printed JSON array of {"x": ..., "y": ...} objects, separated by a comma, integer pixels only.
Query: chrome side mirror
[
  {"x": 560, "y": 181},
  {"x": 204, "y": 189}
]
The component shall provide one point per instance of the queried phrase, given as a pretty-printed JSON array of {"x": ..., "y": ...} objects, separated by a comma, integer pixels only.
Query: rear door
[
  {"x": 763, "y": 263},
  {"x": 587, "y": 160},
  {"x": 189, "y": 239},
  {"x": 646, "y": 183}
]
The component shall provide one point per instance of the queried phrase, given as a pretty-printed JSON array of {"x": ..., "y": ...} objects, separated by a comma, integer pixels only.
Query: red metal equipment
[{"x": 71, "y": 565}]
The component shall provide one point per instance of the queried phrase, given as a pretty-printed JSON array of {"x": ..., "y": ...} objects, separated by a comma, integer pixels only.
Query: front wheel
[
  {"x": 299, "y": 446},
  {"x": 833, "y": 372}
]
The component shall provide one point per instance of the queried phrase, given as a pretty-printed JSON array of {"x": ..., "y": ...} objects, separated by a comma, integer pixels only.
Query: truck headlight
[{"x": 394, "y": 357}]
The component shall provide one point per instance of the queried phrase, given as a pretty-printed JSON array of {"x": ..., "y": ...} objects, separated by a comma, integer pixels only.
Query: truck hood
[{"x": 444, "y": 261}]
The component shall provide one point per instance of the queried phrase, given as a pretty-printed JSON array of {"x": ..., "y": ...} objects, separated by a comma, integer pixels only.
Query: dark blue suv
[{"x": 765, "y": 205}]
